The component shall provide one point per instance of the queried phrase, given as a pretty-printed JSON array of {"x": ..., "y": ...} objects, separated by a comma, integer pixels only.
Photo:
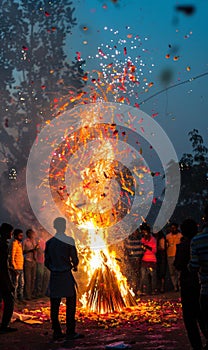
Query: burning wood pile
[
  {"x": 107, "y": 290},
  {"x": 104, "y": 294}
]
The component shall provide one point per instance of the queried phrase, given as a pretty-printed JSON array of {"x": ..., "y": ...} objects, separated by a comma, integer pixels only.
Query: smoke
[{"x": 15, "y": 203}]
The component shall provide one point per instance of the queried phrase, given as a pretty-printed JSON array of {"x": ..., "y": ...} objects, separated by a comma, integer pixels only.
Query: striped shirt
[
  {"x": 199, "y": 258},
  {"x": 133, "y": 246}
]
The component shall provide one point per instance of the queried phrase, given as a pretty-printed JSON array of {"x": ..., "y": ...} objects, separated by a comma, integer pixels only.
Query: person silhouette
[
  {"x": 190, "y": 287},
  {"x": 61, "y": 258},
  {"x": 6, "y": 285},
  {"x": 199, "y": 264}
]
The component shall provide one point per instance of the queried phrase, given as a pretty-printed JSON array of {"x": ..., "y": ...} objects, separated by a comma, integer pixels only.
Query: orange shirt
[
  {"x": 17, "y": 255},
  {"x": 172, "y": 240}
]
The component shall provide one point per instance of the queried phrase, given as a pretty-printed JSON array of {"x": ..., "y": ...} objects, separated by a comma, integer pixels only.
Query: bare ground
[{"x": 156, "y": 323}]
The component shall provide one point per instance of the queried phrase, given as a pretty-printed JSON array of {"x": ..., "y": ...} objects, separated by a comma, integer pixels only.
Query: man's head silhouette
[{"x": 60, "y": 224}]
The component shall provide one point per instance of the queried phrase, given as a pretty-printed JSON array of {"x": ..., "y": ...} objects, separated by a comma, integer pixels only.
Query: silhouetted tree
[
  {"x": 194, "y": 176},
  {"x": 35, "y": 72},
  {"x": 36, "y": 76}
]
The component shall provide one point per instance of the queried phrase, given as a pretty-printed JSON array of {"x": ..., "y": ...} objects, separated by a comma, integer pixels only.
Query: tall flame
[{"x": 94, "y": 204}]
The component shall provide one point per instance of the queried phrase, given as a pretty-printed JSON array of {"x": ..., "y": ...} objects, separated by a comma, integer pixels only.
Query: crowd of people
[
  {"x": 149, "y": 256},
  {"x": 23, "y": 274},
  {"x": 26, "y": 263},
  {"x": 31, "y": 267},
  {"x": 181, "y": 254}
]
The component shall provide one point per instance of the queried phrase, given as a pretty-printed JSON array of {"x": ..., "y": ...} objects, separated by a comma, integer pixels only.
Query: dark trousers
[
  {"x": 148, "y": 281},
  {"x": 18, "y": 281},
  {"x": 42, "y": 279},
  {"x": 30, "y": 276},
  {"x": 70, "y": 314},
  {"x": 192, "y": 320},
  {"x": 135, "y": 272},
  {"x": 8, "y": 299},
  {"x": 204, "y": 311}
]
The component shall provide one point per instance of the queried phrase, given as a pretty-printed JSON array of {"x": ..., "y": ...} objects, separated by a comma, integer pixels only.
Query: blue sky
[{"x": 161, "y": 30}]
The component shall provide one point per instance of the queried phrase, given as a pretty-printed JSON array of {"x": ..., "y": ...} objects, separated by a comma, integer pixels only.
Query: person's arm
[
  {"x": 154, "y": 245},
  {"x": 47, "y": 258},
  {"x": 167, "y": 242},
  {"x": 74, "y": 257},
  {"x": 4, "y": 257},
  {"x": 40, "y": 246},
  {"x": 194, "y": 261},
  {"x": 13, "y": 253},
  {"x": 151, "y": 246},
  {"x": 178, "y": 262},
  {"x": 144, "y": 245},
  {"x": 162, "y": 244},
  {"x": 26, "y": 249}
]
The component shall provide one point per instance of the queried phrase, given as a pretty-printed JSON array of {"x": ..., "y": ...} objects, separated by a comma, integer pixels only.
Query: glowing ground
[{"x": 156, "y": 323}]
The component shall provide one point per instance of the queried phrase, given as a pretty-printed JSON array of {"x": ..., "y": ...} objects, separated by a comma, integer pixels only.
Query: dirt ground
[{"x": 155, "y": 323}]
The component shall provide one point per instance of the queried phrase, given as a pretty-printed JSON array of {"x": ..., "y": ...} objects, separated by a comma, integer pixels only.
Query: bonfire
[
  {"x": 105, "y": 293},
  {"x": 100, "y": 196},
  {"x": 107, "y": 290}
]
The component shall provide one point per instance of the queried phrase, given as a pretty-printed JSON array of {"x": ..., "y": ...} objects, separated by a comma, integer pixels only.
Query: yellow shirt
[
  {"x": 172, "y": 240},
  {"x": 17, "y": 255}
]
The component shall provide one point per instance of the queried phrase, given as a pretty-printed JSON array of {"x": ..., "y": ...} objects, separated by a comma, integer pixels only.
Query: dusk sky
[{"x": 162, "y": 38}]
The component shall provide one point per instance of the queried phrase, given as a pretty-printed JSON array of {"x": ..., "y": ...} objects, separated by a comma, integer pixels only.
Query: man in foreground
[
  {"x": 190, "y": 287},
  {"x": 199, "y": 263},
  {"x": 61, "y": 258}
]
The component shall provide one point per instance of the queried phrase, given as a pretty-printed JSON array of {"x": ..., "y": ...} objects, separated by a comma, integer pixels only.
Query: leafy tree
[
  {"x": 194, "y": 176},
  {"x": 36, "y": 75},
  {"x": 199, "y": 151},
  {"x": 35, "y": 71}
]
